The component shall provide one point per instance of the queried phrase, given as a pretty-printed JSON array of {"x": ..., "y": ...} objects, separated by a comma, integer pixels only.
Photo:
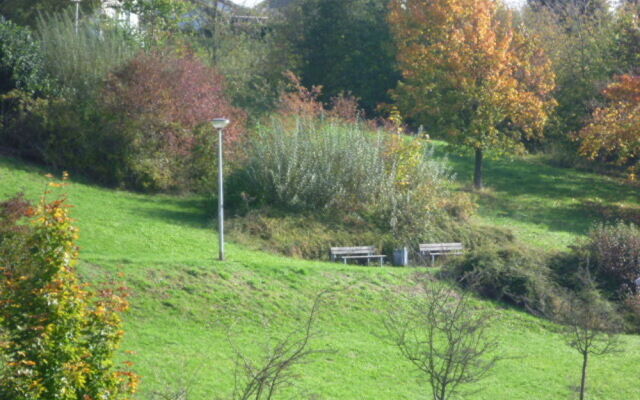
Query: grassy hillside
[
  {"x": 546, "y": 206},
  {"x": 183, "y": 300}
]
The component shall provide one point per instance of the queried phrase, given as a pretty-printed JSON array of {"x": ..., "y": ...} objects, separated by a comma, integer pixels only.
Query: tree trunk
[
  {"x": 477, "y": 177},
  {"x": 583, "y": 381}
]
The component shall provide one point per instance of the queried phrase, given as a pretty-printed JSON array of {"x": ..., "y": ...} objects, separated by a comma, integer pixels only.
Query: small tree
[
  {"x": 262, "y": 378},
  {"x": 590, "y": 326},
  {"x": 439, "y": 331},
  {"x": 469, "y": 75},
  {"x": 57, "y": 339}
]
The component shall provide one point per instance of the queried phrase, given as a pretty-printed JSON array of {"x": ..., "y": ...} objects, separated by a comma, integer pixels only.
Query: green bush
[
  {"x": 58, "y": 339},
  {"x": 21, "y": 61},
  {"x": 508, "y": 272}
]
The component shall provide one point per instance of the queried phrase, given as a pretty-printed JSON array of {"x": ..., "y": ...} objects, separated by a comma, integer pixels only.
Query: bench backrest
[
  {"x": 441, "y": 247},
  {"x": 356, "y": 251}
]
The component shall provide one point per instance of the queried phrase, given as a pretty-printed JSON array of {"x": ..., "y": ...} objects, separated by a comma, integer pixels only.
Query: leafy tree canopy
[{"x": 470, "y": 75}]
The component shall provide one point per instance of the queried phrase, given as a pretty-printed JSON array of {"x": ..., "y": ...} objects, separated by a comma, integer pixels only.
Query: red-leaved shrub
[{"x": 161, "y": 105}]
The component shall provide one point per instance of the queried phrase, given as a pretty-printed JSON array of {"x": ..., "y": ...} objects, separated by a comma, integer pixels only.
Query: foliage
[
  {"x": 26, "y": 12},
  {"x": 343, "y": 46},
  {"x": 508, "y": 272},
  {"x": 159, "y": 18},
  {"x": 159, "y": 106},
  {"x": 591, "y": 327},
  {"x": 612, "y": 132},
  {"x": 613, "y": 254},
  {"x": 81, "y": 62},
  {"x": 21, "y": 63},
  {"x": 320, "y": 165},
  {"x": 627, "y": 39},
  {"x": 58, "y": 338},
  {"x": 249, "y": 56},
  {"x": 581, "y": 46},
  {"x": 23, "y": 83},
  {"x": 469, "y": 75},
  {"x": 443, "y": 336}
]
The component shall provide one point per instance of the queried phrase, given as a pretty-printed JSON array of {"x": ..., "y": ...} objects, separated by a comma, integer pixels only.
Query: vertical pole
[
  {"x": 220, "y": 198},
  {"x": 77, "y": 15}
]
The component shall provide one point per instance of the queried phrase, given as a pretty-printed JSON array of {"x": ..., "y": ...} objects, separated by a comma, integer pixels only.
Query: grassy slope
[
  {"x": 545, "y": 206},
  {"x": 183, "y": 299}
]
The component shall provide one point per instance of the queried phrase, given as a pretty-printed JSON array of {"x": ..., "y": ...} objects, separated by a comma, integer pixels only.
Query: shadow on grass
[
  {"x": 193, "y": 212},
  {"x": 531, "y": 192}
]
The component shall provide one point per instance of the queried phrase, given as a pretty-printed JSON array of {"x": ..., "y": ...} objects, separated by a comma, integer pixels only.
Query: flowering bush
[{"x": 57, "y": 338}]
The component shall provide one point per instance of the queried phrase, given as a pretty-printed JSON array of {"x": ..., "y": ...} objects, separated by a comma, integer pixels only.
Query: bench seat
[
  {"x": 356, "y": 253},
  {"x": 441, "y": 249}
]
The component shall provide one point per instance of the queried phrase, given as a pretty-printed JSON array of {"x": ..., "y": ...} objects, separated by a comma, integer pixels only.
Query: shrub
[
  {"x": 23, "y": 82},
  {"x": 58, "y": 339},
  {"x": 159, "y": 106},
  {"x": 329, "y": 167},
  {"x": 508, "y": 273},
  {"x": 21, "y": 62},
  {"x": 316, "y": 165},
  {"x": 613, "y": 253}
]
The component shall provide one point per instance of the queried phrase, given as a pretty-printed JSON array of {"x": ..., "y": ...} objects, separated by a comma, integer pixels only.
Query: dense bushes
[
  {"x": 122, "y": 116},
  {"x": 508, "y": 272},
  {"x": 613, "y": 253},
  {"x": 144, "y": 126},
  {"x": 58, "y": 339},
  {"x": 21, "y": 61},
  {"x": 159, "y": 106}
]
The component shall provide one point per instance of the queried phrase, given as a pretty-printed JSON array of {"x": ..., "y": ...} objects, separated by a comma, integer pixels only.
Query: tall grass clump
[
  {"x": 347, "y": 169},
  {"x": 317, "y": 165},
  {"x": 82, "y": 60}
]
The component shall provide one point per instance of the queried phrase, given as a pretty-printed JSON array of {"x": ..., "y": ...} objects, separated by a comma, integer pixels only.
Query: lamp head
[{"x": 220, "y": 123}]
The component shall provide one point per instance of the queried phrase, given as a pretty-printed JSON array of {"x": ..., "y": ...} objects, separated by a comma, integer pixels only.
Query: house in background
[{"x": 113, "y": 10}]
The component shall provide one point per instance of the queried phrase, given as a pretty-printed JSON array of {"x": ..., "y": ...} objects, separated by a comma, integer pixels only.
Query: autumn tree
[
  {"x": 470, "y": 75},
  {"x": 613, "y": 134}
]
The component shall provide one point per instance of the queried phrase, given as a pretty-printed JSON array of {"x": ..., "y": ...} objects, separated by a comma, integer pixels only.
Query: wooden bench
[
  {"x": 356, "y": 253},
  {"x": 440, "y": 249}
]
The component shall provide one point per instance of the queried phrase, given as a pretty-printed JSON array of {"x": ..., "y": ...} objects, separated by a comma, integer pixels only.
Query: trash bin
[{"x": 401, "y": 257}]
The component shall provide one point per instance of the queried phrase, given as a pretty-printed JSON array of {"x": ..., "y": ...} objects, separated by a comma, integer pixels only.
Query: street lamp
[
  {"x": 220, "y": 124},
  {"x": 77, "y": 2}
]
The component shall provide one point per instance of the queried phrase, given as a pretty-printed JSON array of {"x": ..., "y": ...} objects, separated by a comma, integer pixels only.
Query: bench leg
[
  {"x": 381, "y": 261},
  {"x": 345, "y": 260},
  {"x": 433, "y": 259}
]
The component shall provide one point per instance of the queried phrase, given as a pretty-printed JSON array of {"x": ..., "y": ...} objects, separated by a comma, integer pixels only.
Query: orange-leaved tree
[
  {"x": 614, "y": 130},
  {"x": 57, "y": 339},
  {"x": 468, "y": 74}
]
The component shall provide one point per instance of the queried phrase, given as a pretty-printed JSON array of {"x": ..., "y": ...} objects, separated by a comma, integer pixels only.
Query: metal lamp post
[
  {"x": 77, "y": 2},
  {"x": 220, "y": 124}
]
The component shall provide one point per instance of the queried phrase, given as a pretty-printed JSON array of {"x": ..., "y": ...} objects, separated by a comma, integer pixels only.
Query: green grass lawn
[
  {"x": 183, "y": 299},
  {"x": 545, "y": 206}
]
